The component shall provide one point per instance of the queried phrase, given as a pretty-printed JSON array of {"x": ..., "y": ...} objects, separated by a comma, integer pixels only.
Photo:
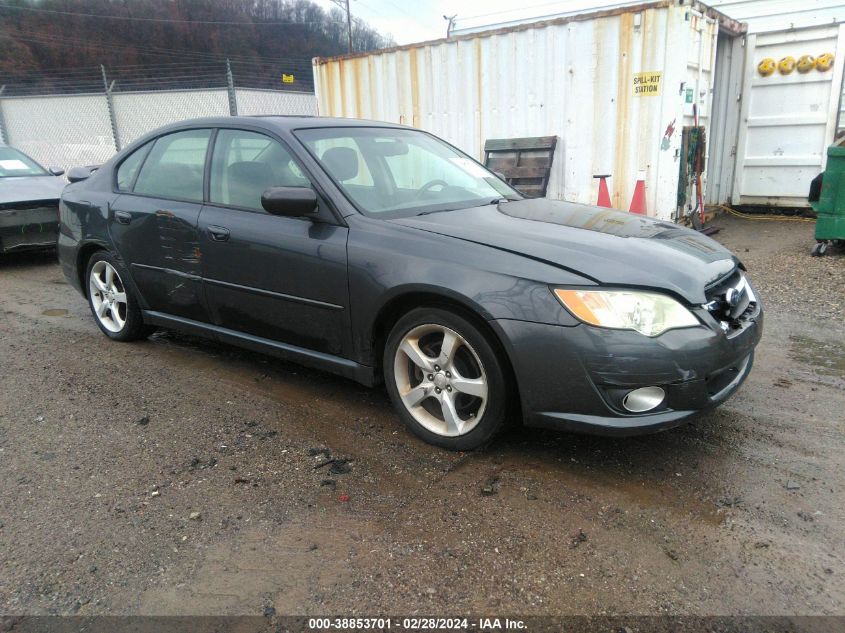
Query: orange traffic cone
[
  {"x": 604, "y": 194},
  {"x": 638, "y": 200}
]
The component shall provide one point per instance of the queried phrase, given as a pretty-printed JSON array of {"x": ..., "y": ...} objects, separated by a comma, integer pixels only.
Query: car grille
[{"x": 732, "y": 301}]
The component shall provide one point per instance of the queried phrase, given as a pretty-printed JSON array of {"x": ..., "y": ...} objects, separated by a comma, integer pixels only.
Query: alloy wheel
[
  {"x": 108, "y": 296},
  {"x": 441, "y": 380}
]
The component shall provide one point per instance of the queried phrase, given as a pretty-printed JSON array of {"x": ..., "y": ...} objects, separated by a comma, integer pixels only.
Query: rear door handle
[
  {"x": 123, "y": 217},
  {"x": 218, "y": 233}
]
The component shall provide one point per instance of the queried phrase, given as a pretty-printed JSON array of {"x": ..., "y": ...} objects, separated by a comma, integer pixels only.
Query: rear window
[
  {"x": 14, "y": 163},
  {"x": 174, "y": 167},
  {"x": 129, "y": 167}
]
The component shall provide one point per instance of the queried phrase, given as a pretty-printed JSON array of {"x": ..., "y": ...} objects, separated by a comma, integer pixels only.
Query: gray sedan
[
  {"x": 383, "y": 253},
  {"x": 29, "y": 202}
]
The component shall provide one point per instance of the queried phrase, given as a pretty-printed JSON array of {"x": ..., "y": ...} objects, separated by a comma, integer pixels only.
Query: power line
[
  {"x": 168, "y": 20},
  {"x": 396, "y": 6}
]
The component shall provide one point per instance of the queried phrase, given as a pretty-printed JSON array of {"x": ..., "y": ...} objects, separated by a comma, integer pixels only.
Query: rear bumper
[
  {"x": 68, "y": 251},
  {"x": 22, "y": 229},
  {"x": 574, "y": 378}
]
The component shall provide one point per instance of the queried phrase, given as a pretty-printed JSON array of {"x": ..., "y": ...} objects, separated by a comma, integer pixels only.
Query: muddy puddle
[{"x": 821, "y": 357}]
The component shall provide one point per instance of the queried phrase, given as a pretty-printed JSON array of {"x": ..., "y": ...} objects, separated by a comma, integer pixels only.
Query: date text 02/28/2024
[{"x": 415, "y": 624}]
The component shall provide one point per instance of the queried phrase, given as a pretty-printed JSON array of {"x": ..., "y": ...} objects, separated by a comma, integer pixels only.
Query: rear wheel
[
  {"x": 445, "y": 379},
  {"x": 113, "y": 303}
]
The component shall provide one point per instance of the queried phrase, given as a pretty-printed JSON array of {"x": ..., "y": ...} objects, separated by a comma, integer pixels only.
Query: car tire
[
  {"x": 455, "y": 398},
  {"x": 112, "y": 299}
]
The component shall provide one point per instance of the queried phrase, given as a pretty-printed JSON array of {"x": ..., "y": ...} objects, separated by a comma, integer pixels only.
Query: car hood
[
  {"x": 608, "y": 247},
  {"x": 30, "y": 188}
]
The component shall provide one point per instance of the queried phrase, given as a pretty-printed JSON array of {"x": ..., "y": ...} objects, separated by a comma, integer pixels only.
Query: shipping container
[{"x": 615, "y": 86}]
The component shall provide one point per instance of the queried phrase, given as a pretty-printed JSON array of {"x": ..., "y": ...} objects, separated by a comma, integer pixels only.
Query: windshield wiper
[{"x": 469, "y": 206}]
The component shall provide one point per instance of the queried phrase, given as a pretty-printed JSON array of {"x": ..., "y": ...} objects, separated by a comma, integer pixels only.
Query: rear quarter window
[
  {"x": 128, "y": 169},
  {"x": 175, "y": 165}
]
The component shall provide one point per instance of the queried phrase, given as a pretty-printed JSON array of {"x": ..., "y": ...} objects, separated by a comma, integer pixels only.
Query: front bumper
[
  {"x": 574, "y": 378},
  {"x": 32, "y": 226}
]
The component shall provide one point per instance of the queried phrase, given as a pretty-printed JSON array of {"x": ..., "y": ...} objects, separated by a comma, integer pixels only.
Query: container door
[
  {"x": 727, "y": 98},
  {"x": 789, "y": 114}
]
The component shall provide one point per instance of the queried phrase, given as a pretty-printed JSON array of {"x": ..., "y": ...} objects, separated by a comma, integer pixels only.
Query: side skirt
[{"x": 318, "y": 360}]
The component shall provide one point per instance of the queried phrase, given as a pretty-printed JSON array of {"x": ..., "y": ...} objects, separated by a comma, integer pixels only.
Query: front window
[
  {"x": 244, "y": 164},
  {"x": 14, "y": 163},
  {"x": 390, "y": 172}
]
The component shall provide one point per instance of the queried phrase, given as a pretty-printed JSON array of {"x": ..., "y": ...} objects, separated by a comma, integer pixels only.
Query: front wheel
[
  {"x": 113, "y": 303},
  {"x": 445, "y": 379}
]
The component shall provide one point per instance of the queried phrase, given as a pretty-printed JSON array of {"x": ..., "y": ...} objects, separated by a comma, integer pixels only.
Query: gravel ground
[{"x": 179, "y": 476}]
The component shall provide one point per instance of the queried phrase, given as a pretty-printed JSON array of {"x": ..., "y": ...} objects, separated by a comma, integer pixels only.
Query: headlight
[{"x": 648, "y": 313}]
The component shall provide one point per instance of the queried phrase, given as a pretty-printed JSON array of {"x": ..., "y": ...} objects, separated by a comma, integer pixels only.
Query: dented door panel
[{"x": 160, "y": 240}]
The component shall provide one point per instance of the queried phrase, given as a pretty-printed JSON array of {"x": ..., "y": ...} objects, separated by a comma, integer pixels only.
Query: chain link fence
[
  {"x": 59, "y": 131},
  {"x": 68, "y": 130}
]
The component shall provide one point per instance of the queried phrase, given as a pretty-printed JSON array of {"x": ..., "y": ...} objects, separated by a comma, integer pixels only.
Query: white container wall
[
  {"x": 616, "y": 87},
  {"x": 777, "y": 15},
  {"x": 788, "y": 120}
]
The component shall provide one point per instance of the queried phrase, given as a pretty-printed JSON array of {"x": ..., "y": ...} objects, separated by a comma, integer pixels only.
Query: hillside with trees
[{"x": 61, "y": 43}]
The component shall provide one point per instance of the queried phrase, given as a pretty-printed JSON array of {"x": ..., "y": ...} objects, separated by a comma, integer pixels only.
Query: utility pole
[
  {"x": 344, "y": 4},
  {"x": 451, "y": 24}
]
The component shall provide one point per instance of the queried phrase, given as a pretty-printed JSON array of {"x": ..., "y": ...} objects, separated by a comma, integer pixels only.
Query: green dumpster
[{"x": 828, "y": 200}]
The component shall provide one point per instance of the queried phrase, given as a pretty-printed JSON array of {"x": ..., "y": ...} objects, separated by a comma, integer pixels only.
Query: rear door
[
  {"x": 278, "y": 278},
  {"x": 154, "y": 222}
]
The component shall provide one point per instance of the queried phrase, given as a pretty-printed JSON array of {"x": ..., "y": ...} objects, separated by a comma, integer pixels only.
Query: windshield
[
  {"x": 15, "y": 163},
  {"x": 396, "y": 173}
]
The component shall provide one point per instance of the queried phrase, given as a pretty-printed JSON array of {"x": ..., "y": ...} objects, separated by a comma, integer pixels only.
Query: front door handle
[
  {"x": 123, "y": 217},
  {"x": 218, "y": 233}
]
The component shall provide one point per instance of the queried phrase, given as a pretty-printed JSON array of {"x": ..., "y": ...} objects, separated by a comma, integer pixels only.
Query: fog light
[{"x": 643, "y": 399}]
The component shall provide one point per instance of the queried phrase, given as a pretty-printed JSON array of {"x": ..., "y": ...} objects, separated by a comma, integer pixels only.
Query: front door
[
  {"x": 277, "y": 278},
  {"x": 154, "y": 222}
]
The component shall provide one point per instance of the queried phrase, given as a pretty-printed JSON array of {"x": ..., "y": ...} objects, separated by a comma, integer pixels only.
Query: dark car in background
[
  {"x": 29, "y": 202},
  {"x": 380, "y": 252}
]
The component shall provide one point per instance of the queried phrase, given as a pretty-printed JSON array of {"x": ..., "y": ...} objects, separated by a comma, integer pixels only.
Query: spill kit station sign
[{"x": 647, "y": 84}]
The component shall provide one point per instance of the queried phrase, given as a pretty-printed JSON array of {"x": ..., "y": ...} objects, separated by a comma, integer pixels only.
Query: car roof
[
  {"x": 280, "y": 122},
  {"x": 272, "y": 123},
  {"x": 293, "y": 122}
]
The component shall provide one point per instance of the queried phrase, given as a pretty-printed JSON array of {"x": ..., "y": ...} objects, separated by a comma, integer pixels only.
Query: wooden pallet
[{"x": 524, "y": 162}]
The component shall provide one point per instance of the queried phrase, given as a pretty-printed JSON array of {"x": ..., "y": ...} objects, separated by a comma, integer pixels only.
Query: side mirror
[
  {"x": 56, "y": 171},
  {"x": 81, "y": 173},
  {"x": 289, "y": 201}
]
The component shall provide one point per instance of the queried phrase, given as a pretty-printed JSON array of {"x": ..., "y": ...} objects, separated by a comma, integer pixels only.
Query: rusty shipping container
[{"x": 616, "y": 87}]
